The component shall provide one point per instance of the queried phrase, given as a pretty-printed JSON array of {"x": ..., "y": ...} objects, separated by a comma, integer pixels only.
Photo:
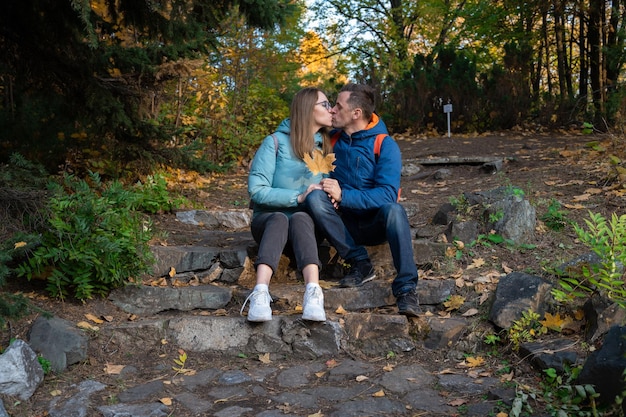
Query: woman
[{"x": 278, "y": 183}]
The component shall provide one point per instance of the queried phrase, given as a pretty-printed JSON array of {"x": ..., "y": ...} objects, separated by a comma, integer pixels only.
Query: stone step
[{"x": 206, "y": 318}]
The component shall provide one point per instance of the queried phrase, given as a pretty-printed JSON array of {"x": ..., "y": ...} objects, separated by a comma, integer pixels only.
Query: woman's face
[{"x": 321, "y": 112}]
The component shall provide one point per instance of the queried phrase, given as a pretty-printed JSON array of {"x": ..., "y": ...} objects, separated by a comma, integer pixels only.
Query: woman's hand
[{"x": 311, "y": 187}]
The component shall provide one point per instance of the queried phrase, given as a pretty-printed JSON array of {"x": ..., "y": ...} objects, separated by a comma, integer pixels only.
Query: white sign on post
[{"x": 447, "y": 109}]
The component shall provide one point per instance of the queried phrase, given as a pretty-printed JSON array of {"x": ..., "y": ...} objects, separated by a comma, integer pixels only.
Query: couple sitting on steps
[{"x": 356, "y": 204}]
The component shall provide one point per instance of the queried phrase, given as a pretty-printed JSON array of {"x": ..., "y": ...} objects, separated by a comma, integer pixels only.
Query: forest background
[
  {"x": 109, "y": 106},
  {"x": 121, "y": 87}
]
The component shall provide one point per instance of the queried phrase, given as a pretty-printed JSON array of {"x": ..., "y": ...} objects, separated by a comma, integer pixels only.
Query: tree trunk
[
  {"x": 594, "y": 37},
  {"x": 583, "y": 82}
]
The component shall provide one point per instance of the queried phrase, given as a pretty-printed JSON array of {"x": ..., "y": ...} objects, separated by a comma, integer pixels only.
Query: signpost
[{"x": 447, "y": 109}]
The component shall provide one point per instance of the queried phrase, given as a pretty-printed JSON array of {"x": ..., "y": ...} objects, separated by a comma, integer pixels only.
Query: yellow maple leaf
[
  {"x": 19, "y": 245},
  {"x": 454, "y": 303},
  {"x": 320, "y": 164},
  {"x": 474, "y": 362},
  {"x": 555, "y": 322},
  {"x": 476, "y": 263}
]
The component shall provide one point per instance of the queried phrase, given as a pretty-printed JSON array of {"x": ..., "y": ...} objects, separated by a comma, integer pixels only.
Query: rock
[
  {"x": 3, "y": 411},
  {"x": 59, "y": 341},
  {"x": 604, "y": 368},
  {"x": 443, "y": 333},
  {"x": 135, "y": 410},
  {"x": 410, "y": 169},
  {"x": 601, "y": 314},
  {"x": 492, "y": 167},
  {"x": 182, "y": 258},
  {"x": 215, "y": 219},
  {"x": 77, "y": 404},
  {"x": 517, "y": 293},
  {"x": 557, "y": 354},
  {"x": 20, "y": 371},
  {"x": 145, "y": 300},
  {"x": 465, "y": 231},
  {"x": 361, "y": 332}
]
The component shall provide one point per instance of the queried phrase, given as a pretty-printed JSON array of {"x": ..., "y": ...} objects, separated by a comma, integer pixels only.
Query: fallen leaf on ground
[
  {"x": 361, "y": 378},
  {"x": 457, "y": 402},
  {"x": 166, "y": 400},
  {"x": 93, "y": 318},
  {"x": 471, "y": 312},
  {"x": 86, "y": 326},
  {"x": 476, "y": 263},
  {"x": 111, "y": 369},
  {"x": 380, "y": 393},
  {"x": 454, "y": 303},
  {"x": 265, "y": 358},
  {"x": 473, "y": 362}
]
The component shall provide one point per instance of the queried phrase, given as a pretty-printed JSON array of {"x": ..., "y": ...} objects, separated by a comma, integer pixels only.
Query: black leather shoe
[
  {"x": 360, "y": 272},
  {"x": 408, "y": 304}
]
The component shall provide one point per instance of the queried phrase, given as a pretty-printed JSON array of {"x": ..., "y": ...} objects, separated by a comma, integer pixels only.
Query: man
[{"x": 358, "y": 205}]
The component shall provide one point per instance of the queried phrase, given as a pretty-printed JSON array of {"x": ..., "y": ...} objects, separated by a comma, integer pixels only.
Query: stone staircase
[{"x": 202, "y": 287}]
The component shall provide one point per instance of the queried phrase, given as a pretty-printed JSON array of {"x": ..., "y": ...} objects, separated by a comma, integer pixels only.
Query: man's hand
[{"x": 332, "y": 188}]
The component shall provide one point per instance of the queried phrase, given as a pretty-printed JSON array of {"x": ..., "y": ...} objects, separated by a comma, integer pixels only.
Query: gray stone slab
[
  {"x": 146, "y": 300},
  {"x": 349, "y": 369},
  {"x": 405, "y": 379},
  {"x": 147, "y": 391},
  {"x": 363, "y": 331},
  {"x": 182, "y": 258},
  {"x": 233, "y": 411},
  {"x": 465, "y": 385},
  {"x": 134, "y": 410},
  {"x": 369, "y": 407},
  {"x": 193, "y": 403}
]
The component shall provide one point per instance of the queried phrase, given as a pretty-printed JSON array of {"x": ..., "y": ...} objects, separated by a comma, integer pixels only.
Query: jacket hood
[{"x": 284, "y": 127}]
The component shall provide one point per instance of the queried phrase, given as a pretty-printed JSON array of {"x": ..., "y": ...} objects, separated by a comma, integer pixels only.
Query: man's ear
[{"x": 356, "y": 114}]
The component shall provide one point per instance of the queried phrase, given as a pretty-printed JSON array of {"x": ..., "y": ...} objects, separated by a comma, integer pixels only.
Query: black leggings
[{"x": 273, "y": 230}]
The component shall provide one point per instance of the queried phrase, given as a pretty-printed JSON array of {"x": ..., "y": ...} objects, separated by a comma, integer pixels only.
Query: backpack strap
[{"x": 377, "y": 144}]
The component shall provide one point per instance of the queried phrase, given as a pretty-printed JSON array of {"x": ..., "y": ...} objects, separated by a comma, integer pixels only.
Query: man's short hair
[{"x": 362, "y": 97}]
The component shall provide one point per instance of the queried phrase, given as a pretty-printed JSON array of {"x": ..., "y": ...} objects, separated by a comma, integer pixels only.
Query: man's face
[{"x": 343, "y": 115}]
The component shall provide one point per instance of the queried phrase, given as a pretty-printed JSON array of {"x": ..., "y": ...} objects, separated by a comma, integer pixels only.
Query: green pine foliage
[{"x": 96, "y": 239}]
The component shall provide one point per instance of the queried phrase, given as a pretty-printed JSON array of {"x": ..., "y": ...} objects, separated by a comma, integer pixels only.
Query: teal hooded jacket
[{"x": 277, "y": 176}]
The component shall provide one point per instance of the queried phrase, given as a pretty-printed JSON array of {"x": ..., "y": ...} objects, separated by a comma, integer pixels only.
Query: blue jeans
[
  {"x": 348, "y": 233},
  {"x": 272, "y": 231}
]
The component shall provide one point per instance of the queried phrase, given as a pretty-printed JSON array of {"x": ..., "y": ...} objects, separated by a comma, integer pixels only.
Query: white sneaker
[
  {"x": 313, "y": 305},
  {"x": 260, "y": 309}
]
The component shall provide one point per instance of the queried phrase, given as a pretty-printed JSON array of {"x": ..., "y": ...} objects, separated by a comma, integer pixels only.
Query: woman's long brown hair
[{"x": 301, "y": 118}]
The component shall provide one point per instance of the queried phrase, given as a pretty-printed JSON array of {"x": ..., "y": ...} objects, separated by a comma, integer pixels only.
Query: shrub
[
  {"x": 96, "y": 239},
  {"x": 607, "y": 238}
]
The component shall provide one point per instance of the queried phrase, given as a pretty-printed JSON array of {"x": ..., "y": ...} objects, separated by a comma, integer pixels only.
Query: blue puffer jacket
[
  {"x": 277, "y": 177},
  {"x": 365, "y": 183}
]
